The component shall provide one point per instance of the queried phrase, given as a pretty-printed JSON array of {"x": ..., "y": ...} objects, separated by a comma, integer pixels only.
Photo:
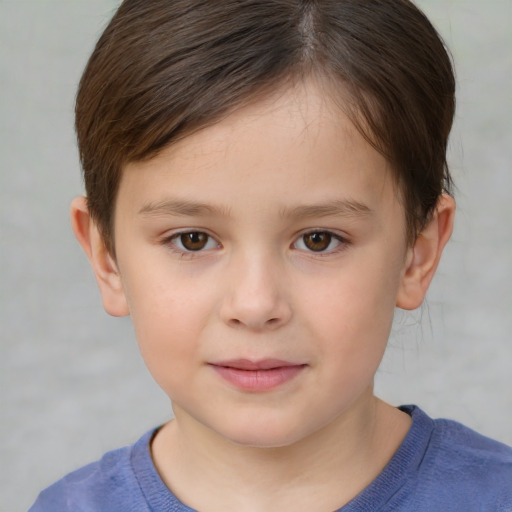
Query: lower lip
[{"x": 258, "y": 380}]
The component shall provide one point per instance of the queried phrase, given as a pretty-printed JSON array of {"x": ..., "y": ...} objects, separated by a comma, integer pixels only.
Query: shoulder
[
  {"x": 461, "y": 464},
  {"x": 458, "y": 446},
  {"x": 107, "y": 484}
]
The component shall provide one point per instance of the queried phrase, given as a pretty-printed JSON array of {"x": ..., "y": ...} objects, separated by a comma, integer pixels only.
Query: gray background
[{"x": 72, "y": 382}]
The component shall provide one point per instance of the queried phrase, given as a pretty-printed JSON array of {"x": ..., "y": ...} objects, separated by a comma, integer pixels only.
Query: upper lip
[{"x": 261, "y": 364}]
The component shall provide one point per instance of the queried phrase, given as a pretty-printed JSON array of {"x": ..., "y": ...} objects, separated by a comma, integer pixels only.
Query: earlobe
[
  {"x": 424, "y": 256},
  {"x": 103, "y": 264}
]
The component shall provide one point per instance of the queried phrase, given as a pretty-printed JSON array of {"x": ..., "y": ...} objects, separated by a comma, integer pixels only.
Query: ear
[
  {"x": 423, "y": 257},
  {"x": 103, "y": 264}
]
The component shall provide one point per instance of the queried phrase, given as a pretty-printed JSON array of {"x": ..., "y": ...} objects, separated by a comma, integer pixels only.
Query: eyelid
[
  {"x": 168, "y": 240},
  {"x": 343, "y": 240}
]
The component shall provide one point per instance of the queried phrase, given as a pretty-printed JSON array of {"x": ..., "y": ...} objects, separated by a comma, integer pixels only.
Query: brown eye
[
  {"x": 318, "y": 241},
  {"x": 194, "y": 241}
]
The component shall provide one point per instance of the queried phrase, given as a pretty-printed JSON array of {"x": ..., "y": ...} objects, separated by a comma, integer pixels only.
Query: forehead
[{"x": 294, "y": 146}]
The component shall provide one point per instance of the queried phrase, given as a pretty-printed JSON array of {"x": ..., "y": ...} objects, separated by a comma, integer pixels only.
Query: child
[{"x": 266, "y": 181}]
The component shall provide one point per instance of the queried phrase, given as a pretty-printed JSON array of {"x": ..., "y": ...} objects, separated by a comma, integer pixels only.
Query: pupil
[
  {"x": 194, "y": 241},
  {"x": 317, "y": 241}
]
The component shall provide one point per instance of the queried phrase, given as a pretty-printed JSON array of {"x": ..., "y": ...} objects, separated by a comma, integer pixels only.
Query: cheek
[
  {"x": 353, "y": 311},
  {"x": 353, "y": 340},
  {"x": 168, "y": 316}
]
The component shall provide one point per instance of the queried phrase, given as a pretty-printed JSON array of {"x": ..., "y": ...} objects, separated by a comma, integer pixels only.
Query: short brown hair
[{"x": 162, "y": 69}]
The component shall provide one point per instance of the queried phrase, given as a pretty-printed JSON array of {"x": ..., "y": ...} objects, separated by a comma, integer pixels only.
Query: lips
[{"x": 257, "y": 376}]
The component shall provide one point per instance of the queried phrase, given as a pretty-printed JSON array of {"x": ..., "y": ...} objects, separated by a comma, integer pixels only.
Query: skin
[{"x": 257, "y": 184}]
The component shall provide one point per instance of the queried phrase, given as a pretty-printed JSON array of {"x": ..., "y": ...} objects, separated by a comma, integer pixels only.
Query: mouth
[{"x": 257, "y": 376}]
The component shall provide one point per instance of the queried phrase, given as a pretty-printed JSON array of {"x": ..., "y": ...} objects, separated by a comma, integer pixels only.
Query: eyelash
[
  {"x": 170, "y": 242},
  {"x": 343, "y": 242}
]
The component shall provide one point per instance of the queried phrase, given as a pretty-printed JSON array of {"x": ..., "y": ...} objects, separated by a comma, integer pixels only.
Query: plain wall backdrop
[{"x": 72, "y": 382}]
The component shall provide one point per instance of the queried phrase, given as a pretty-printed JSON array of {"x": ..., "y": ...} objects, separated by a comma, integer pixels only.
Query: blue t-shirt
[{"x": 440, "y": 466}]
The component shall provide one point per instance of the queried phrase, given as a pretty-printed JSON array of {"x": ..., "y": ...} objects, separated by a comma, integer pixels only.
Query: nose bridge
[{"x": 255, "y": 295}]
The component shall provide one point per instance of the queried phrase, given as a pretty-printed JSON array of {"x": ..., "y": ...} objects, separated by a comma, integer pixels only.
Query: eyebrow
[
  {"x": 335, "y": 208},
  {"x": 186, "y": 208},
  {"x": 181, "y": 208}
]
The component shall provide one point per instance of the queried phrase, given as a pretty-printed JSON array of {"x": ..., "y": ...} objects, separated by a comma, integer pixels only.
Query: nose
[{"x": 256, "y": 296}]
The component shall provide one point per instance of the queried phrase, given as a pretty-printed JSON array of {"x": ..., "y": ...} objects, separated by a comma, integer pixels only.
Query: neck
[{"x": 321, "y": 472}]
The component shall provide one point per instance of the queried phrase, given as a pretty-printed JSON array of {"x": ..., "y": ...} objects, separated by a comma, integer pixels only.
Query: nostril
[{"x": 271, "y": 322}]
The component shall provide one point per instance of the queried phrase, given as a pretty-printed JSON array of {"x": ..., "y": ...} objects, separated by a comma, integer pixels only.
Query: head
[
  {"x": 262, "y": 178},
  {"x": 162, "y": 70}
]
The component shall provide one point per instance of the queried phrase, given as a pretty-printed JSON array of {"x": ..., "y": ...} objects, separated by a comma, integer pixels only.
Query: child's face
[{"x": 261, "y": 260}]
